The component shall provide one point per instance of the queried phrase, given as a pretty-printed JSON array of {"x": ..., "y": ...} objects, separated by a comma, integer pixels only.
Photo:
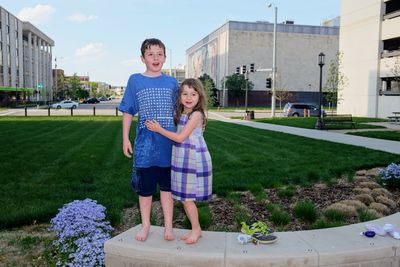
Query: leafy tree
[
  {"x": 60, "y": 88},
  {"x": 236, "y": 85},
  {"x": 81, "y": 93},
  {"x": 74, "y": 85},
  {"x": 336, "y": 80},
  {"x": 210, "y": 90}
]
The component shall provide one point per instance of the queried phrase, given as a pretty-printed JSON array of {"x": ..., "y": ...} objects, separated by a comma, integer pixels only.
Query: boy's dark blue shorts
[{"x": 145, "y": 180}]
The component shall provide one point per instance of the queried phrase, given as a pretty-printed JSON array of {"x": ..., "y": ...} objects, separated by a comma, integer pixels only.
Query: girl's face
[
  {"x": 189, "y": 98},
  {"x": 154, "y": 59}
]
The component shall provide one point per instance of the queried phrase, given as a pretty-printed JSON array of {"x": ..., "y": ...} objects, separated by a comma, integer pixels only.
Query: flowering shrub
[
  {"x": 390, "y": 176},
  {"x": 81, "y": 231}
]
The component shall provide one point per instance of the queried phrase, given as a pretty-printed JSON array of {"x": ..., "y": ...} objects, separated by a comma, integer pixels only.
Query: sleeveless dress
[{"x": 191, "y": 168}]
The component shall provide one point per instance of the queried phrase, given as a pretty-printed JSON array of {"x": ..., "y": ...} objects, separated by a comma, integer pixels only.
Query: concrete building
[
  {"x": 370, "y": 43},
  {"x": 25, "y": 59},
  {"x": 236, "y": 43},
  {"x": 179, "y": 73}
]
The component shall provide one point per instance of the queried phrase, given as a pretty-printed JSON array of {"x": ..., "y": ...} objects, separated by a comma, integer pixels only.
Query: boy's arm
[
  {"x": 195, "y": 119},
  {"x": 126, "y": 126}
]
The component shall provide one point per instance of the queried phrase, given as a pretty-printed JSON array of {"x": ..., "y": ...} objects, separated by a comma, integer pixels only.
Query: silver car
[
  {"x": 298, "y": 109},
  {"x": 65, "y": 104}
]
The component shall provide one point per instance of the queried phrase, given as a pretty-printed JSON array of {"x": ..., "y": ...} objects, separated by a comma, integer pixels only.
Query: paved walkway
[{"x": 332, "y": 136}]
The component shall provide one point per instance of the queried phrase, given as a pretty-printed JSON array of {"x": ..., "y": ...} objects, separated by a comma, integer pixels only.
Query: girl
[{"x": 191, "y": 170}]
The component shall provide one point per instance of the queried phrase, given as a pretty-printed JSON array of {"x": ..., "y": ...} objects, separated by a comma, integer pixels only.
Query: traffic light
[
  {"x": 244, "y": 69},
  {"x": 268, "y": 82},
  {"x": 252, "y": 67},
  {"x": 237, "y": 70}
]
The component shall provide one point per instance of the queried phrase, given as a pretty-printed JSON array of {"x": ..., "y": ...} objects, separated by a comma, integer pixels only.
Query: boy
[{"x": 153, "y": 96}]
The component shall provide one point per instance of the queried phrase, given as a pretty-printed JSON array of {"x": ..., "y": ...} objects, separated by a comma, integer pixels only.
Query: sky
[{"x": 102, "y": 38}]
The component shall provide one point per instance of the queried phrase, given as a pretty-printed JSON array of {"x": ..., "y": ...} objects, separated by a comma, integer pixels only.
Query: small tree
[
  {"x": 209, "y": 88},
  {"x": 236, "y": 85},
  {"x": 74, "y": 85},
  {"x": 336, "y": 81},
  {"x": 281, "y": 91}
]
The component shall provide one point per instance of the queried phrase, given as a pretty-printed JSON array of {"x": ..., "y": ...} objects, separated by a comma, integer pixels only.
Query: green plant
[
  {"x": 271, "y": 207},
  {"x": 321, "y": 223},
  {"x": 258, "y": 191},
  {"x": 306, "y": 211},
  {"x": 364, "y": 215},
  {"x": 287, "y": 192},
  {"x": 279, "y": 217},
  {"x": 335, "y": 215},
  {"x": 234, "y": 197}
]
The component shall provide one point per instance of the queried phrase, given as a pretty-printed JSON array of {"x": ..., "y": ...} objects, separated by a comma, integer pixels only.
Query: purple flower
[{"x": 81, "y": 230}]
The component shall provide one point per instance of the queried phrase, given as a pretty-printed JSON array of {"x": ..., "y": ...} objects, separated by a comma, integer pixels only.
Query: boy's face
[{"x": 154, "y": 58}]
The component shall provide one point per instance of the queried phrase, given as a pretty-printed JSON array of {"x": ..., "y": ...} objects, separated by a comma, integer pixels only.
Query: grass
[
  {"x": 388, "y": 135},
  {"x": 309, "y": 123},
  {"x": 48, "y": 162}
]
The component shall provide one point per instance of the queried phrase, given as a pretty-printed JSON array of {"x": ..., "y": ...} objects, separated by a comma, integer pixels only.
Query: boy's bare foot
[
  {"x": 169, "y": 234},
  {"x": 143, "y": 233},
  {"x": 186, "y": 236},
  {"x": 193, "y": 237}
]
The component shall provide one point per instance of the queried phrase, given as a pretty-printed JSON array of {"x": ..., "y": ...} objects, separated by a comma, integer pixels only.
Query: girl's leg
[
  {"x": 145, "y": 210},
  {"x": 192, "y": 213},
  {"x": 167, "y": 205}
]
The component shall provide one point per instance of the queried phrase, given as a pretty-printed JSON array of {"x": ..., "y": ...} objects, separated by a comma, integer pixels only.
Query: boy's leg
[
  {"x": 193, "y": 215},
  {"x": 145, "y": 211},
  {"x": 167, "y": 205}
]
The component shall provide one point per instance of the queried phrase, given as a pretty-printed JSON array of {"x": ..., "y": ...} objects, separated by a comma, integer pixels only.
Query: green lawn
[
  {"x": 309, "y": 122},
  {"x": 388, "y": 135},
  {"x": 47, "y": 162}
]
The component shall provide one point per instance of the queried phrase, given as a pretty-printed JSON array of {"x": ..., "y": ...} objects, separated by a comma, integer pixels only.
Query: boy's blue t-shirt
[{"x": 152, "y": 98}]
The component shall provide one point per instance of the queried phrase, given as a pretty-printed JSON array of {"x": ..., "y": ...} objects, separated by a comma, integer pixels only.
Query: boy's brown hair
[{"x": 149, "y": 42}]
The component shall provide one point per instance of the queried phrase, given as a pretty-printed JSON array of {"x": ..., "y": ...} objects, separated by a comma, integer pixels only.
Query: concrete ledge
[{"x": 340, "y": 246}]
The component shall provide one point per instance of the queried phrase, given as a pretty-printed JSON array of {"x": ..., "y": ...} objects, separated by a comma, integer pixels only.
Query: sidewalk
[{"x": 337, "y": 137}]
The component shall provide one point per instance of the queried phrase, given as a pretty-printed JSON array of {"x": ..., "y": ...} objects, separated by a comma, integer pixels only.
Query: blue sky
[{"x": 102, "y": 38}]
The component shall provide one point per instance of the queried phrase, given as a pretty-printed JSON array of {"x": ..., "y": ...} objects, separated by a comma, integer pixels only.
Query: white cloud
[
  {"x": 37, "y": 14},
  {"x": 78, "y": 17},
  {"x": 90, "y": 51}
]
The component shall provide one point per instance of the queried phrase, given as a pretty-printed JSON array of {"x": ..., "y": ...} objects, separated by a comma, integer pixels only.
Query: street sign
[{"x": 40, "y": 86}]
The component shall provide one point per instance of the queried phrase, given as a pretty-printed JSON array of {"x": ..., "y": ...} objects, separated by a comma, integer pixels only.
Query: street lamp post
[
  {"x": 321, "y": 63},
  {"x": 273, "y": 100}
]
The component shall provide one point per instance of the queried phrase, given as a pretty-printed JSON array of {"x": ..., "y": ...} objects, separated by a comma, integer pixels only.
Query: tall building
[
  {"x": 25, "y": 60},
  {"x": 236, "y": 44},
  {"x": 178, "y": 73},
  {"x": 370, "y": 43}
]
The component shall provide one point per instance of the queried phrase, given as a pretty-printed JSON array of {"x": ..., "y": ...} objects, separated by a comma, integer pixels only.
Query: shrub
[
  {"x": 306, "y": 211},
  {"x": 365, "y": 215},
  {"x": 379, "y": 207},
  {"x": 346, "y": 210},
  {"x": 390, "y": 176},
  {"x": 279, "y": 218},
  {"x": 365, "y": 198},
  {"x": 335, "y": 215},
  {"x": 287, "y": 192},
  {"x": 386, "y": 201},
  {"x": 320, "y": 224},
  {"x": 81, "y": 230}
]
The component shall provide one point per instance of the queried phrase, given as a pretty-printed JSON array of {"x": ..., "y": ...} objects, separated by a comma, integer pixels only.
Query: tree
[
  {"x": 74, "y": 86},
  {"x": 210, "y": 90},
  {"x": 281, "y": 91},
  {"x": 336, "y": 81},
  {"x": 236, "y": 85},
  {"x": 60, "y": 88}
]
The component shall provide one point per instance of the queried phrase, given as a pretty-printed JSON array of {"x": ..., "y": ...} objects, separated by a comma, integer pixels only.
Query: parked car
[
  {"x": 92, "y": 100},
  {"x": 65, "y": 104},
  {"x": 104, "y": 98},
  {"x": 297, "y": 110}
]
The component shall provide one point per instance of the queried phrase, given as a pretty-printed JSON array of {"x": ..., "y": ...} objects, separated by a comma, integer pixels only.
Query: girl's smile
[{"x": 189, "y": 98}]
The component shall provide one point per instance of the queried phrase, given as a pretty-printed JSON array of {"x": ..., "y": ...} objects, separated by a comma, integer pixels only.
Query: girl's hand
[
  {"x": 127, "y": 148},
  {"x": 153, "y": 126}
]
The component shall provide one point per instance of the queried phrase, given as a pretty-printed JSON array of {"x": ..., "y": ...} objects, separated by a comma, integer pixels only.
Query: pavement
[{"x": 332, "y": 136}]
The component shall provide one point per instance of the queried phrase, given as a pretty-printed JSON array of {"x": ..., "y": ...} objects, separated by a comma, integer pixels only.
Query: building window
[
  {"x": 391, "y": 47},
  {"x": 390, "y": 86}
]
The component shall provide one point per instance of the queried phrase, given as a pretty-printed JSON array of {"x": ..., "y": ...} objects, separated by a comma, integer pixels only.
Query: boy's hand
[
  {"x": 153, "y": 126},
  {"x": 127, "y": 148}
]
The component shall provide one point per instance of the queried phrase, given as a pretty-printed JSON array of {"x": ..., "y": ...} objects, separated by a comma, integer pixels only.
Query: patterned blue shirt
[{"x": 152, "y": 98}]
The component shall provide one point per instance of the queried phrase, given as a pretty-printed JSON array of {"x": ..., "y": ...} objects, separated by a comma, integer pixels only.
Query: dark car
[
  {"x": 297, "y": 110},
  {"x": 92, "y": 100}
]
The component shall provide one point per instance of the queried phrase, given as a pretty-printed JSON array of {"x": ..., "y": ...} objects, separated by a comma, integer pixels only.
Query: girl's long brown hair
[{"x": 201, "y": 105}]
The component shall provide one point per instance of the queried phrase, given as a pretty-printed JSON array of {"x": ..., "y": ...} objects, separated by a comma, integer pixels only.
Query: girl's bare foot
[
  {"x": 193, "y": 237},
  {"x": 143, "y": 233},
  {"x": 169, "y": 234}
]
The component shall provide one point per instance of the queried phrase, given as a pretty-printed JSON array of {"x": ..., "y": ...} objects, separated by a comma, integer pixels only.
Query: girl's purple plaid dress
[{"x": 191, "y": 175}]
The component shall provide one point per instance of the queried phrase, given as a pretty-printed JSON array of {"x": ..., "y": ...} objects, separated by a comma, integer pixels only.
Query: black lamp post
[{"x": 321, "y": 63}]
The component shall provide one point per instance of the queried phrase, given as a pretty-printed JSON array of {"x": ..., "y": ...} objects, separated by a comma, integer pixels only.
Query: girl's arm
[{"x": 195, "y": 120}]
